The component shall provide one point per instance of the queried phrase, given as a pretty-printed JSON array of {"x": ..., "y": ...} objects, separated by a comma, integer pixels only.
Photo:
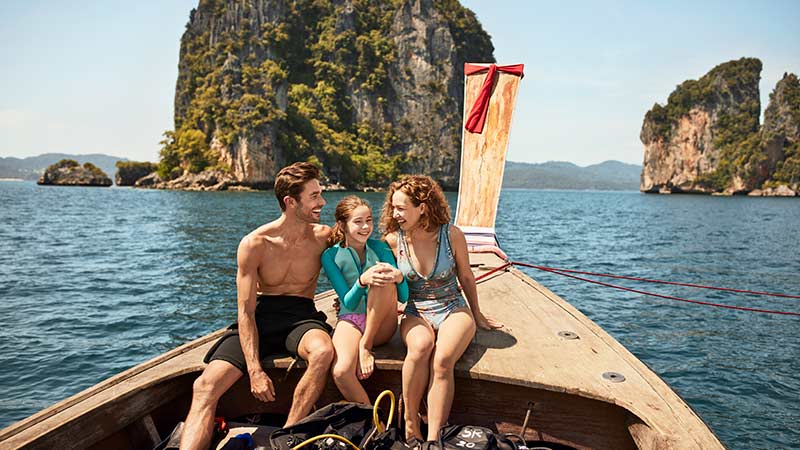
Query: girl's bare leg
[
  {"x": 345, "y": 340},
  {"x": 381, "y": 325}
]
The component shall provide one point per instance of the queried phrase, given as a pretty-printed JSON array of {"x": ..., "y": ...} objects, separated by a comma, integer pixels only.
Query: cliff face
[
  {"x": 673, "y": 165},
  {"x": 780, "y": 135},
  {"x": 367, "y": 89},
  {"x": 689, "y": 142},
  {"x": 707, "y": 138}
]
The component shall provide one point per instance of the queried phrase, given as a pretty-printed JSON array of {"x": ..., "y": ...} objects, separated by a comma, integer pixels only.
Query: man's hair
[{"x": 290, "y": 181}]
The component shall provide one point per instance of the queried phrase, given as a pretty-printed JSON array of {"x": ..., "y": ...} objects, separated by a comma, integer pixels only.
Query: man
[{"x": 278, "y": 267}]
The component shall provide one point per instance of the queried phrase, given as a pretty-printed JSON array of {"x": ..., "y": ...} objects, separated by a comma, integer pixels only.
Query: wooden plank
[
  {"x": 82, "y": 429},
  {"x": 483, "y": 155},
  {"x": 143, "y": 433}
]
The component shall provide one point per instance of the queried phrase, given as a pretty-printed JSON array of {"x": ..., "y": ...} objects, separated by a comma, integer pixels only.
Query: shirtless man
[{"x": 279, "y": 264}]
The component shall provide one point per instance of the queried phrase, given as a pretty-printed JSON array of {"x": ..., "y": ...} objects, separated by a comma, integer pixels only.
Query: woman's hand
[
  {"x": 487, "y": 323},
  {"x": 378, "y": 275}
]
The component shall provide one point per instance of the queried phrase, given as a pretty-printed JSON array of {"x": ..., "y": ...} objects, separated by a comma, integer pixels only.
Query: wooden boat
[{"x": 586, "y": 390}]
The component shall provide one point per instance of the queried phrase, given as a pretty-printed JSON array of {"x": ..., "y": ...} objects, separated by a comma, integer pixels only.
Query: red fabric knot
[{"x": 477, "y": 115}]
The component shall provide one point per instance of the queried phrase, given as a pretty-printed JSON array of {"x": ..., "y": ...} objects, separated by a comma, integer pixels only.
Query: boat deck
[{"x": 548, "y": 346}]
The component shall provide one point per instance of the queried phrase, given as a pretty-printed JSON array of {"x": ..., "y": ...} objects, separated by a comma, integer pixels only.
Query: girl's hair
[
  {"x": 344, "y": 208},
  {"x": 420, "y": 189}
]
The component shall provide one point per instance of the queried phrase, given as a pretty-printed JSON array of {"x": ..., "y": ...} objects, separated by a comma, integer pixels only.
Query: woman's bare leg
[
  {"x": 381, "y": 325},
  {"x": 419, "y": 338},
  {"x": 453, "y": 338},
  {"x": 345, "y": 341}
]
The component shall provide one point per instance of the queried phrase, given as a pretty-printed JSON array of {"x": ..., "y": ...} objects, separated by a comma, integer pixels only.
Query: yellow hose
[{"x": 375, "y": 419}]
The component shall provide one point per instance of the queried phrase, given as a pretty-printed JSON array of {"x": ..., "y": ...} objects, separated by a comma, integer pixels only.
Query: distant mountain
[
  {"x": 608, "y": 175},
  {"x": 32, "y": 167}
]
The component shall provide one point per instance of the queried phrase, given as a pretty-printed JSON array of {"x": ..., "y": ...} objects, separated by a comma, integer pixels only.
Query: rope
[
  {"x": 568, "y": 272},
  {"x": 647, "y": 280},
  {"x": 496, "y": 269}
]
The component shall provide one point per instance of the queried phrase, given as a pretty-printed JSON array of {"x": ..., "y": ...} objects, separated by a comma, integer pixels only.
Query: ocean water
[{"x": 94, "y": 281}]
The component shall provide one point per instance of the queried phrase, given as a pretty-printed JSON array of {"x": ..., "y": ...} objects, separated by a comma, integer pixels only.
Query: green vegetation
[
  {"x": 466, "y": 31},
  {"x": 64, "y": 164},
  {"x": 96, "y": 171},
  {"x": 703, "y": 93},
  {"x": 70, "y": 163},
  {"x": 255, "y": 81},
  {"x": 146, "y": 167},
  {"x": 788, "y": 170}
]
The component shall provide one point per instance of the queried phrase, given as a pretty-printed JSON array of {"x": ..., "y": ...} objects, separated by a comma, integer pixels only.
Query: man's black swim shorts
[{"x": 282, "y": 320}]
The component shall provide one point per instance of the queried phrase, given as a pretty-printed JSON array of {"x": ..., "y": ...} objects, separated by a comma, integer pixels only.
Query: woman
[
  {"x": 437, "y": 326},
  {"x": 364, "y": 274}
]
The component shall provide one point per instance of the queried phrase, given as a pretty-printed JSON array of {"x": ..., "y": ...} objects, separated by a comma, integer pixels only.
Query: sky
[{"x": 100, "y": 77}]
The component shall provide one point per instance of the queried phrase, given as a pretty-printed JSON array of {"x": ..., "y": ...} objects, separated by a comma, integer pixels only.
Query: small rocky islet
[{"x": 68, "y": 172}]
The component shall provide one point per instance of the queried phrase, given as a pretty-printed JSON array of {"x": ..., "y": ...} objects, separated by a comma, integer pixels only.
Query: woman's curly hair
[{"x": 420, "y": 189}]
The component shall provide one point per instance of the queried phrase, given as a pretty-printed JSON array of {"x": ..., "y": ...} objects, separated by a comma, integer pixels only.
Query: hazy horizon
[{"x": 507, "y": 160}]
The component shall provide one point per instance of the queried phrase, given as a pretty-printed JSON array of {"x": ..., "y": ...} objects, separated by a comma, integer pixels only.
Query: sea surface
[{"x": 96, "y": 280}]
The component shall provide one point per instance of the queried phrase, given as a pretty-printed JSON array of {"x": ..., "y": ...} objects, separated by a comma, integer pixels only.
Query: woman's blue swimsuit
[{"x": 436, "y": 296}]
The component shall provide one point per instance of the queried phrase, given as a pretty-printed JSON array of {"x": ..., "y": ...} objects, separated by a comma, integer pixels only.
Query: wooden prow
[{"x": 483, "y": 157}]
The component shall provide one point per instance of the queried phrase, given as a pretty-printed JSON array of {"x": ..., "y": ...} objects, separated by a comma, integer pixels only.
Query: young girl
[{"x": 364, "y": 275}]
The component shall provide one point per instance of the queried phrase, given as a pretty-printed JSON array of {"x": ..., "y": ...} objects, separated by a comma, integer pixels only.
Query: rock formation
[
  {"x": 68, "y": 172},
  {"x": 130, "y": 171},
  {"x": 780, "y": 136},
  {"x": 707, "y": 138},
  {"x": 366, "y": 89}
]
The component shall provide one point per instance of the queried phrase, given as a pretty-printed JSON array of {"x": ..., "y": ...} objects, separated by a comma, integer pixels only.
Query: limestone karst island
[
  {"x": 367, "y": 91},
  {"x": 707, "y": 139}
]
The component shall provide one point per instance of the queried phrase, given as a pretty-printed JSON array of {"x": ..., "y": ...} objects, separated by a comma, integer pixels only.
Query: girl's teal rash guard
[{"x": 343, "y": 267}]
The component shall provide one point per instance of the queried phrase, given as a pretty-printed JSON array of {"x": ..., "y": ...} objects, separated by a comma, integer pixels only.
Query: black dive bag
[{"x": 352, "y": 421}]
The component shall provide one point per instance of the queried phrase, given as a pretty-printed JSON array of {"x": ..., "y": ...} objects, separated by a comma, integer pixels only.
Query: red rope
[
  {"x": 699, "y": 286},
  {"x": 484, "y": 275},
  {"x": 668, "y": 297},
  {"x": 562, "y": 272}
]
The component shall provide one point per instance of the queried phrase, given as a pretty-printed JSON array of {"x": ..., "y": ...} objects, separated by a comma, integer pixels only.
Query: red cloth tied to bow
[{"x": 477, "y": 115}]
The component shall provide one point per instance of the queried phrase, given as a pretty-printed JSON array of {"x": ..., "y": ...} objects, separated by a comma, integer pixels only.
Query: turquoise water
[{"x": 94, "y": 281}]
